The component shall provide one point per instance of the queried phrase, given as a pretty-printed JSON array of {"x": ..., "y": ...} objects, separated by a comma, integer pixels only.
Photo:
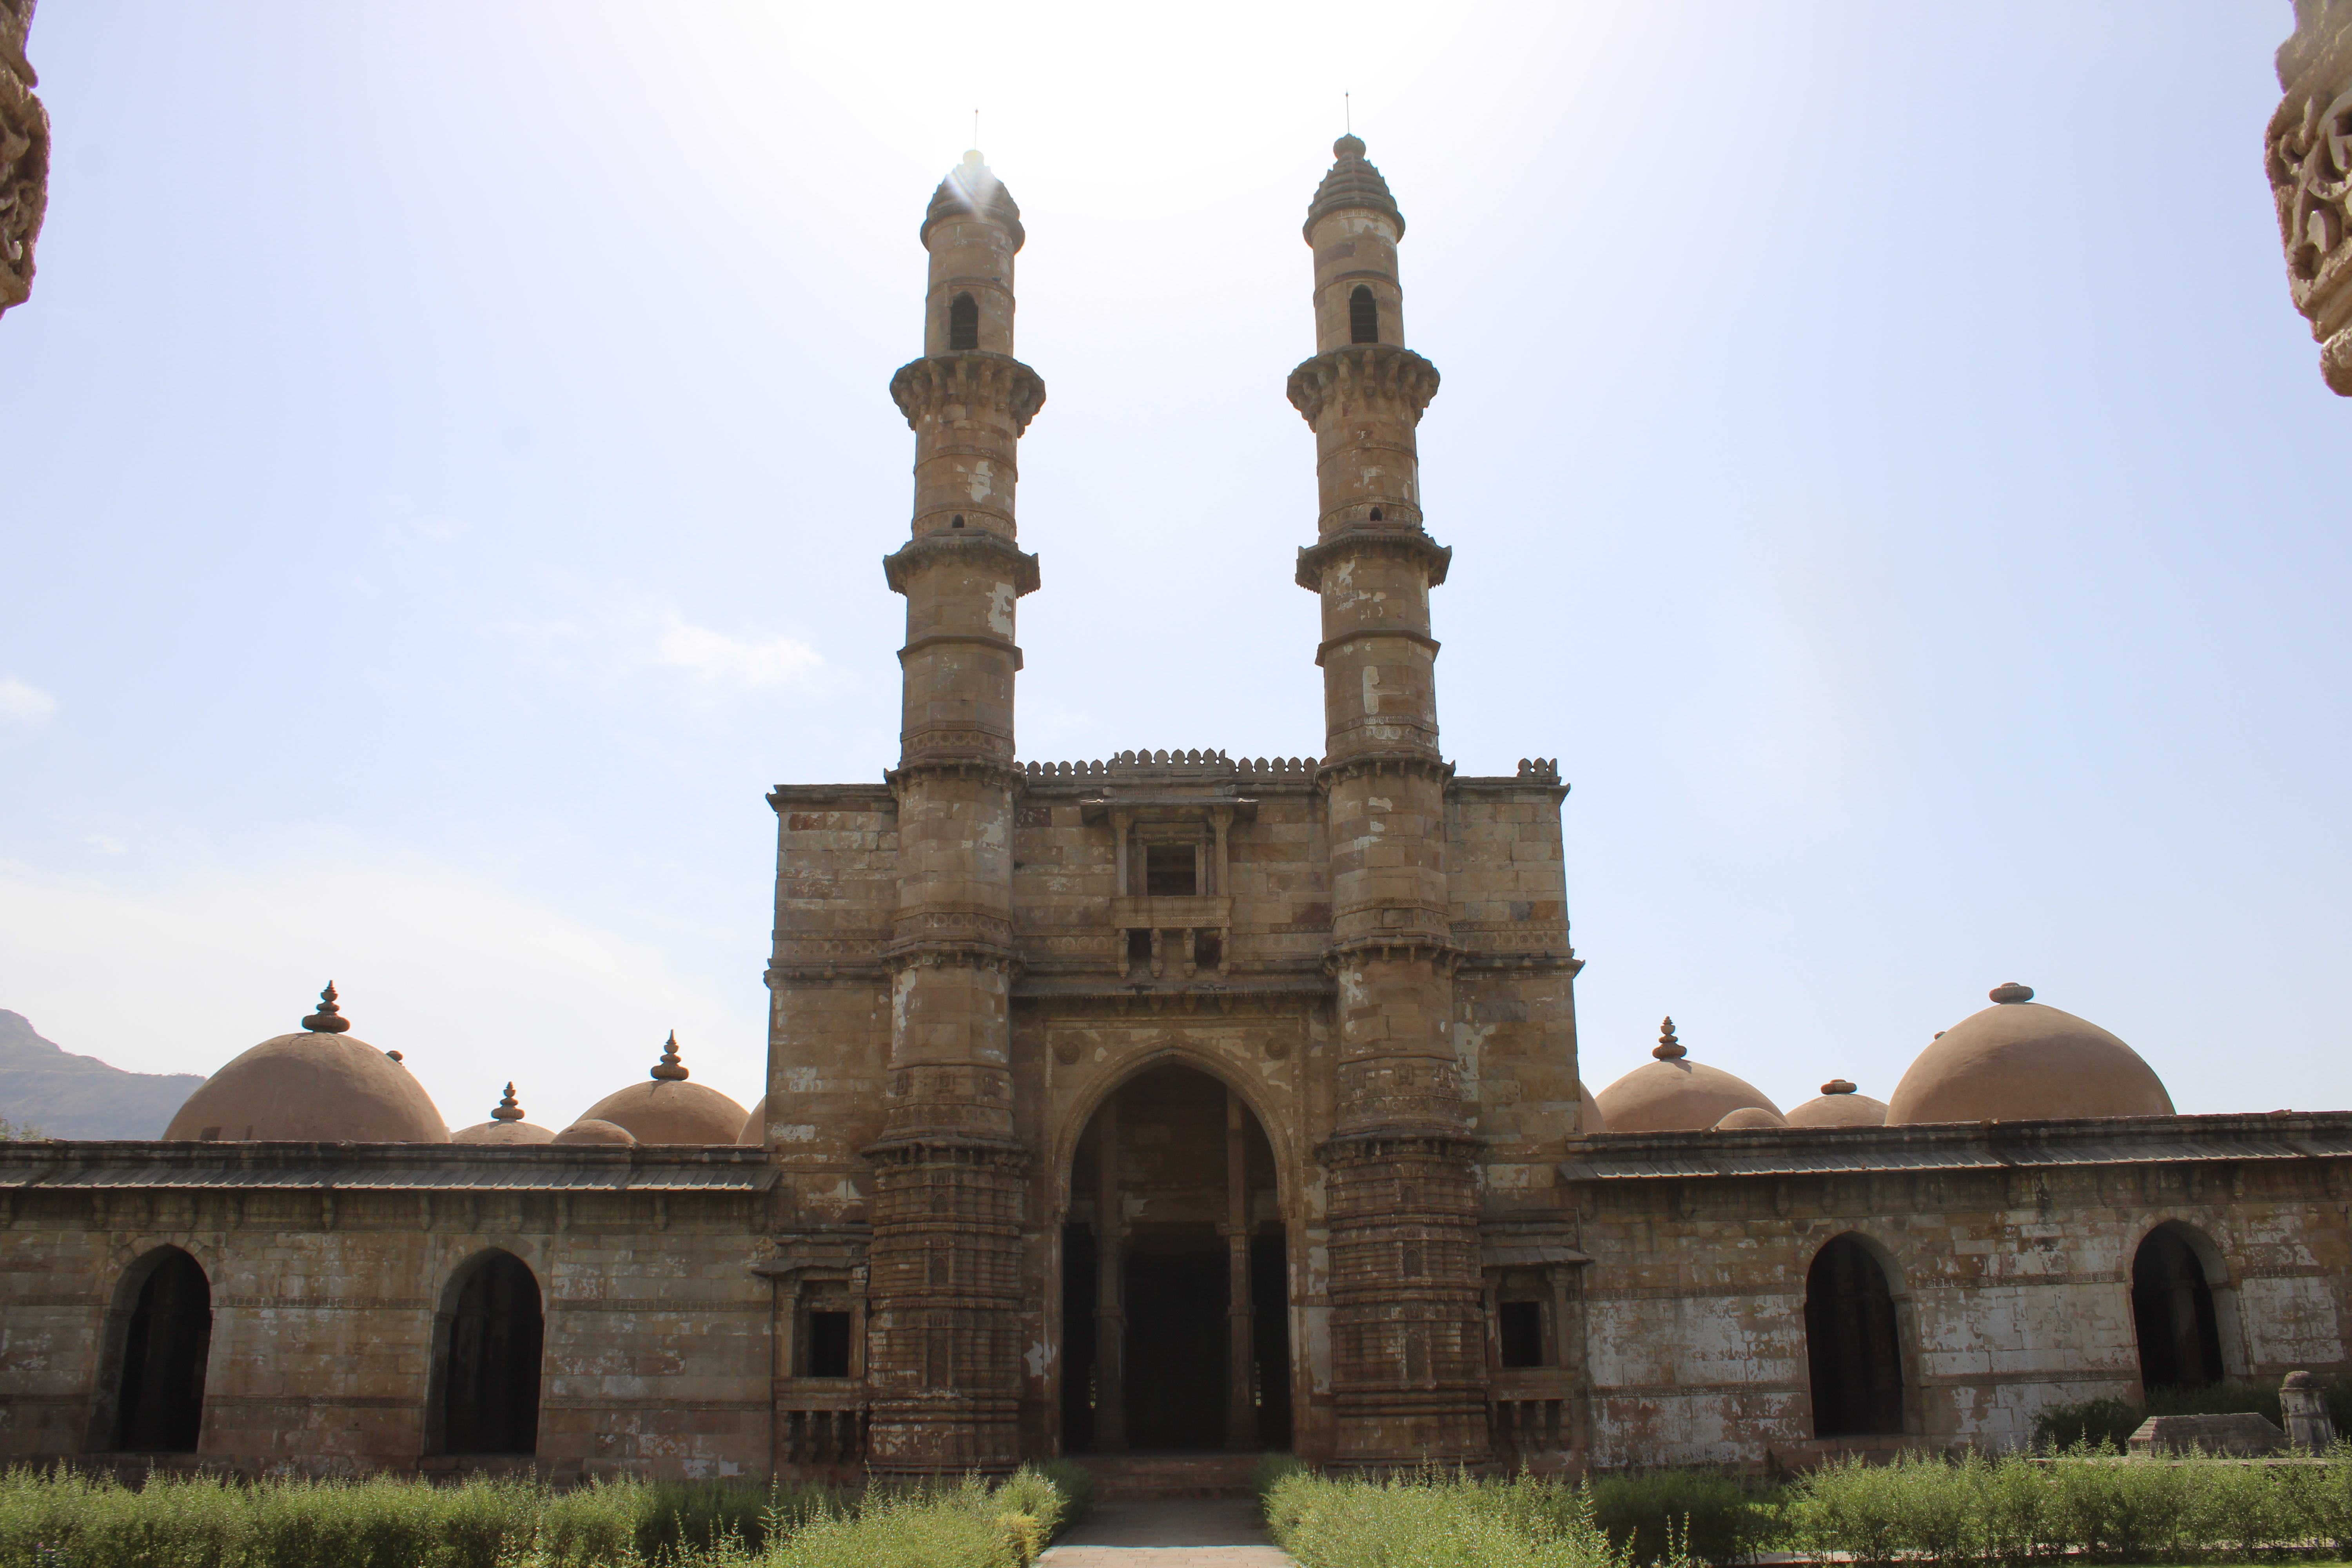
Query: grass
[{"x": 63, "y": 1519}]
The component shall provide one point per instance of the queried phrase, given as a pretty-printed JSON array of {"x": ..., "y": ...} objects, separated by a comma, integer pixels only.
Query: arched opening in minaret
[
  {"x": 1363, "y": 317},
  {"x": 162, "y": 1323},
  {"x": 964, "y": 324},
  {"x": 1175, "y": 1299},
  {"x": 1851, "y": 1341},
  {"x": 2172, "y": 1311},
  {"x": 487, "y": 1341}
]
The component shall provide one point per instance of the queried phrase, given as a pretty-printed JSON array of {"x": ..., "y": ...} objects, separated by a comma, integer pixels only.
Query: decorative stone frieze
[
  {"x": 996, "y": 383},
  {"x": 2308, "y": 157},
  {"x": 1363, "y": 373},
  {"x": 23, "y": 156}
]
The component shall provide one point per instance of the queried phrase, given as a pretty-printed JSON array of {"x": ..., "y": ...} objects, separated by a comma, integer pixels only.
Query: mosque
[{"x": 1163, "y": 1108}]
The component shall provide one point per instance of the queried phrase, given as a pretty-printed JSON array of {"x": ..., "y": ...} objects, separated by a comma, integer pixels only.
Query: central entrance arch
[{"x": 1175, "y": 1305}]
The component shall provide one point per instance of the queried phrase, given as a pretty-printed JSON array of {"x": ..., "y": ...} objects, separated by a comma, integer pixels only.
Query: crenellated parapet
[
  {"x": 974, "y": 381},
  {"x": 24, "y": 155},
  {"x": 2308, "y": 157}
]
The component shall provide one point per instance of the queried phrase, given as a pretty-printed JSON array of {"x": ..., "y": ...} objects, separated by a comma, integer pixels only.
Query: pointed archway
[
  {"x": 1851, "y": 1341},
  {"x": 2173, "y": 1313},
  {"x": 1175, "y": 1301},
  {"x": 164, "y": 1325},
  {"x": 487, "y": 1341}
]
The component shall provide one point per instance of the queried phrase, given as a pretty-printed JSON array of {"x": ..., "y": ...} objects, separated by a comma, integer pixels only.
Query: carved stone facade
[
  {"x": 2308, "y": 156},
  {"x": 1164, "y": 1101},
  {"x": 24, "y": 155}
]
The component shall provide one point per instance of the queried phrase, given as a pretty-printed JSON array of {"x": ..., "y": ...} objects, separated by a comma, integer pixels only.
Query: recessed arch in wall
[
  {"x": 1853, "y": 1339},
  {"x": 2183, "y": 1309},
  {"x": 154, "y": 1349},
  {"x": 487, "y": 1339}
]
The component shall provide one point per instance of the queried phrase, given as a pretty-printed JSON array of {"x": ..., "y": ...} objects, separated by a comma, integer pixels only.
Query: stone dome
[
  {"x": 1748, "y": 1116},
  {"x": 2019, "y": 1060},
  {"x": 321, "y": 1086},
  {"x": 1593, "y": 1120},
  {"x": 506, "y": 1125},
  {"x": 1672, "y": 1094},
  {"x": 1839, "y": 1106},
  {"x": 588, "y": 1131},
  {"x": 665, "y": 1109},
  {"x": 755, "y": 1124}
]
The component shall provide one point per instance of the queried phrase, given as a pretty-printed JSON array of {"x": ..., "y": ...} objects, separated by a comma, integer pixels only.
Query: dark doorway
[
  {"x": 169, "y": 1339},
  {"x": 2172, "y": 1309},
  {"x": 1197, "y": 1264},
  {"x": 1850, "y": 1338},
  {"x": 488, "y": 1392}
]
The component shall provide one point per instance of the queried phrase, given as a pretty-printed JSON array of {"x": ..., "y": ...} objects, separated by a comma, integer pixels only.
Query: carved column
[
  {"x": 1241, "y": 1315},
  {"x": 1111, "y": 1298},
  {"x": 2308, "y": 154},
  {"x": 23, "y": 156},
  {"x": 943, "y": 1350},
  {"x": 1407, "y": 1333}
]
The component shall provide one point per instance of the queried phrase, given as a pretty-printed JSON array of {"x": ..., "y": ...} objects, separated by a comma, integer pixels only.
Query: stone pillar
[
  {"x": 1241, "y": 1312},
  {"x": 2308, "y": 154},
  {"x": 1407, "y": 1333},
  {"x": 2303, "y": 1404},
  {"x": 1110, "y": 1288},
  {"x": 23, "y": 156},
  {"x": 943, "y": 1363}
]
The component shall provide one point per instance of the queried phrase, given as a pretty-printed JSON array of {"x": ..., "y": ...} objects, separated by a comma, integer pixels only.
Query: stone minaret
[
  {"x": 942, "y": 1357},
  {"x": 1407, "y": 1326}
]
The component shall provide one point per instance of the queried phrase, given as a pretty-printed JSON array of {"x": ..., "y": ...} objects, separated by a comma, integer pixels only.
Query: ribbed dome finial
[
  {"x": 669, "y": 1069},
  {"x": 1352, "y": 183},
  {"x": 1668, "y": 1049},
  {"x": 2011, "y": 992},
  {"x": 508, "y": 1111},
  {"x": 328, "y": 1019},
  {"x": 1349, "y": 146}
]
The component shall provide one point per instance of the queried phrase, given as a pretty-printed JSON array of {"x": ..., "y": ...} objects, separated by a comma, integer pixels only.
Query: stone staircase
[{"x": 1131, "y": 1477}]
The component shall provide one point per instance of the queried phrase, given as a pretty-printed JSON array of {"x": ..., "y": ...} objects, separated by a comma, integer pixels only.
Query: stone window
[
  {"x": 1171, "y": 870},
  {"x": 1519, "y": 1325},
  {"x": 964, "y": 324},
  {"x": 2172, "y": 1309},
  {"x": 486, "y": 1360},
  {"x": 828, "y": 1344},
  {"x": 1850, "y": 1339},
  {"x": 159, "y": 1405},
  {"x": 1363, "y": 317}
]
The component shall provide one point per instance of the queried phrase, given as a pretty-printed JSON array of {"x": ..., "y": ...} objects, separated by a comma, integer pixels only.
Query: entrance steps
[{"x": 1157, "y": 1478}]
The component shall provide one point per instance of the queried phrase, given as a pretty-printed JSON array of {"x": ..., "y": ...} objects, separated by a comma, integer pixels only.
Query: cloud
[
  {"x": 635, "y": 639},
  {"x": 474, "y": 983},
  {"x": 22, "y": 702}
]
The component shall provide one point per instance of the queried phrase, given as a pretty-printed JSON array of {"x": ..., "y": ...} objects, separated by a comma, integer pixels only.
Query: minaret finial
[
  {"x": 1348, "y": 112},
  {"x": 669, "y": 1069},
  {"x": 508, "y": 1111},
  {"x": 329, "y": 1019},
  {"x": 1668, "y": 1049}
]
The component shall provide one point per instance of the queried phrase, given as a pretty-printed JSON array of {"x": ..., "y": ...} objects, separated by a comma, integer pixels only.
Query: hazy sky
[{"x": 448, "y": 462}]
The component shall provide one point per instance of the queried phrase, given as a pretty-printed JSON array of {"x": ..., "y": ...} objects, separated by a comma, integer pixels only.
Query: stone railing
[
  {"x": 1190, "y": 931},
  {"x": 1297, "y": 769}
]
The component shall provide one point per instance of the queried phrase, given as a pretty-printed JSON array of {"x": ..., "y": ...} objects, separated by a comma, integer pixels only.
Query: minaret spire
[
  {"x": 1407, "y": 1316},
  {"x": 941, "y": 1357}
]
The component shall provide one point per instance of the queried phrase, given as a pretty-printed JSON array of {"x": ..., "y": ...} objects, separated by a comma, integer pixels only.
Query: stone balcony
[{"x": 1186, "y": 931}]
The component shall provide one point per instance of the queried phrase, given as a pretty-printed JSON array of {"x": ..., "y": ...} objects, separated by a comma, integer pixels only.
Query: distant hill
[{"x": 66, "y": 1096}]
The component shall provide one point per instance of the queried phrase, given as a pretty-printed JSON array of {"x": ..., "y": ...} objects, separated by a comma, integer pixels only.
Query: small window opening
[
  {"x": 964, "y": 324},
  {"x": 1376, "y": 514},
  {"x": 1138, "y": 945},
  {"x": 1169, "y": 872},
  {"x": 828, "y": 1344},
  {"x": 1208, "y": 950},
  {"x": 1363, "y": 317},
  {"x": 959, "y": 520},
  {"x": 1520, "y": 1328}
]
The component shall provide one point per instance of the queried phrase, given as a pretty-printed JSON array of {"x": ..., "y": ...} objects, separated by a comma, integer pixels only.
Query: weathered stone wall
[
  {"x": 658, "y": 1334},
  {"x": 2012, "y": 1279}
]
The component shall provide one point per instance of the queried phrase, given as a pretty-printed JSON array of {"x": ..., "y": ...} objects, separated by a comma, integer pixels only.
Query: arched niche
[
  {"x": 487, "y": 1343},
  {"x": 1854, "y": 1340},
  {"x": 154, "y": 1349},
  {"x": 1175, "y": 1321},
  {"x": 2183, "y": 1309}
]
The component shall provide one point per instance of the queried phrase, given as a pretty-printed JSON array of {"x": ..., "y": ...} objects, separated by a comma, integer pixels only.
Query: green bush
[
  {"x": 1270, "y": 1468},
  {"x": 1720, "y": 1519},
  {"x": 1433, "y": 1520}
]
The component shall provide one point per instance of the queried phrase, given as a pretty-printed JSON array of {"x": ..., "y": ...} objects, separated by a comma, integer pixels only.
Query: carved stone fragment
[
  {"x": 2308, "y": 156},
  {"x": 23, "y": 156}
]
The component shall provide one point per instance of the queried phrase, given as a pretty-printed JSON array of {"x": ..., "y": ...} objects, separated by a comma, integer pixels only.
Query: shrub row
[
  {"x": 61, "y": 1519},
  {"x": 1436, "y": 1520}
]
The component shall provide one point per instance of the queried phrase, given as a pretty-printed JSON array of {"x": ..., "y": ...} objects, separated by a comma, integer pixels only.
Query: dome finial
[
  {"x": 508, "y": 1111},
  {"x": 1837, "y": 1086},
  {"x": 1668, "y": 1049},
  {"x": 328, "y": 1019},
  {"x": 669, "y": 1069},
  {"x": 1349, "y": 146},
  {"x": 2011, "y": 991}
]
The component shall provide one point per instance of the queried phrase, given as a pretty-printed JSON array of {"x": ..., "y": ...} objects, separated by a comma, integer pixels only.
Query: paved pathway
[{"x": 1223, "y": 1533}]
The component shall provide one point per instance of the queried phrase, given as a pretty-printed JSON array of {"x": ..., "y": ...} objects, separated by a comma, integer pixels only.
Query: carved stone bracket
[
  {"x": 1363, "y": 371},
  {"x": 993, "y": 381},
  {"x": 924, "y": 952},
  {"x": 1018, "y": 568},
  {"x": 23, "y": 156},
  {"x": 1373, "y": 764},
  {"x": 1314, "y": 560},
  {"x": 915, "y": 767},
  {"x": 2308, "y": 156},
  {"x": 1446, "y": 956}
]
